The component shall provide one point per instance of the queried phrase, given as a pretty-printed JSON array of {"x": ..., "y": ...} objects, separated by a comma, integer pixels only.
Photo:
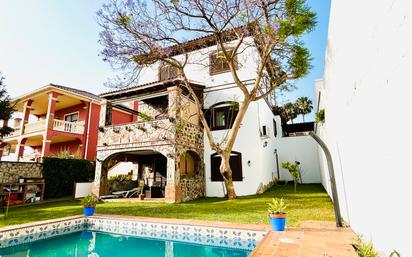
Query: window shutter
[
  {"x": 236, "y": 165},
  {"x": 215, "y": 167},
  {"x": 235, "y": 162},
  {"x": 275, "y": 129}
]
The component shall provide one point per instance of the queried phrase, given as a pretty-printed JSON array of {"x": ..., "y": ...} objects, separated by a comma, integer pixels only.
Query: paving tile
[{"x": 311, "y": 239}]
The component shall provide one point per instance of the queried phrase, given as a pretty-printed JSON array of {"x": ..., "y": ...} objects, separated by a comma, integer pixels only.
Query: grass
[{"x": 310, "y": 203}]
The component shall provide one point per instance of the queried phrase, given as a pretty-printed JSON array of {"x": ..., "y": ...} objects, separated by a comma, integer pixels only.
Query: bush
[
  {"x": 294, "y": 171},
  {"x": 320, "y": 116},
  {"x": 121, "y": 183},
  {"x": 365, "y": 249},
  {"x": 89, "y": 201},
  {"x": 60, "y": 175}
]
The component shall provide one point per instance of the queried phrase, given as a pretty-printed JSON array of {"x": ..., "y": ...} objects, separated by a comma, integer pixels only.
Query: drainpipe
[
  {"x": 88, "y": 130},
  {"x": 277, "y": 163},
  {"x": 331, "y": 176}
]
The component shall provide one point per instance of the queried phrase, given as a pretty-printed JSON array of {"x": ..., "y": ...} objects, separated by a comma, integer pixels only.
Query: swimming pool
[
  {"x": 109, "y": 236},
  {"x": 100, "y": 244}
]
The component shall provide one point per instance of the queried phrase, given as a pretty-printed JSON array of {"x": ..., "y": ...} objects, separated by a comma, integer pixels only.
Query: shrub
[
  {"x": 277, "y": 206},
  {"x": 320, "y": 116},
  {"x": 365, "y": 249},
  {"x": 121, "y": 182},
  {"x": 294, "y": 171},
  {"x": 60, "y": 175},
  {"x": 89, "y": 201}
]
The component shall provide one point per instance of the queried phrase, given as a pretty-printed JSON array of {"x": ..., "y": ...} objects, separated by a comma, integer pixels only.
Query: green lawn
[{"x": 310, "y": 203}]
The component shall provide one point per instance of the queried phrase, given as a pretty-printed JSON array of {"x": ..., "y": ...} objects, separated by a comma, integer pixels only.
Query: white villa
[{"x": 172, "y": 143}]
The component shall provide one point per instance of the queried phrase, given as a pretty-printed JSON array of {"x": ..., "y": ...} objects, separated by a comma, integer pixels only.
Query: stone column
[
  {"x": 26, "y": 115},
  {"x": 97, "y": 176},
  {"x": 47, "y": 136},
  {"x": 135, "y": 107},
  {"x": 173, "y": 192},
  {"x": 174, "y": 98},
  {"x": 20, "y": 148},
  {"x": 103, "y": 109}
]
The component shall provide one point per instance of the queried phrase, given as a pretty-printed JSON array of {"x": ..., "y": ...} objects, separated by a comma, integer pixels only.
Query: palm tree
[
  {"x": 290, "y": 111},
  {"x": 303, "y": 106}
]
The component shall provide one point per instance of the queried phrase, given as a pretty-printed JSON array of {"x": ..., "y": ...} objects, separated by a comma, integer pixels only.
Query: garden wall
[{"x": 11, "y": 171}]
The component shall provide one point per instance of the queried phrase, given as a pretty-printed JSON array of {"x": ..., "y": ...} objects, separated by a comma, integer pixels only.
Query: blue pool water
[{"x": 98, "y": 244}]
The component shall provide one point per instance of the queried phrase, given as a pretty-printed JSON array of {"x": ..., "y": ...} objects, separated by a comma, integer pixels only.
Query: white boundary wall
[{"x": 366, "y": 92}]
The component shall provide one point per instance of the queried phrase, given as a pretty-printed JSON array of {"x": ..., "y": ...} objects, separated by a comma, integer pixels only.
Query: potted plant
[
  {"x": 89, "y": 203},
  {"x": 277, "y": 215}
]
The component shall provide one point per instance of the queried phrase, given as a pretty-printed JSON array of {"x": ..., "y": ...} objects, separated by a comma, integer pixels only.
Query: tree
[
  {"x": 136, "y": 34},
  {"x": 304, "y": 106},
  {"x": 291, "y": 111},
  {"x": 6, "y": 108}
]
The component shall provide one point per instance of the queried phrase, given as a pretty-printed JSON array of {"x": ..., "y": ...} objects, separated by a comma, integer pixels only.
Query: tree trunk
[
  {"x": 303, "y": 117},
  {"x": 227, "y": 176}
]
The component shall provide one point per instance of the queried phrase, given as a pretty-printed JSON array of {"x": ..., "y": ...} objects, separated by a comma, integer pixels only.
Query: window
[
  {"x": 218, "y": 63},
  {"x": 72, "y": 117},
  {"x": 167, "y": 71},
  {"x": 235, "y": 162},
  {"x": 222, "y": 115},
  {"x": 264, "y": 132},
  {"x": 275, "y": 129}
]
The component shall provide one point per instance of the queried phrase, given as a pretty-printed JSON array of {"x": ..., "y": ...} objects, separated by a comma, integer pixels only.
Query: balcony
[
  {"x": 66, "y": 126},
  {"x": 58, "y": 125}
]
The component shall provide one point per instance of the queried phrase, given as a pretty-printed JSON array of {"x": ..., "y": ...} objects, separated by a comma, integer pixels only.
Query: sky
[{"x": 55, "y": 41}]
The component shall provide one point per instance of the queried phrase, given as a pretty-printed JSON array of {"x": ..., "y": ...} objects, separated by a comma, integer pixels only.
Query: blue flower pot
[
  {"x": 88, "y": 211},
  {"x": 278, "y": 222}
]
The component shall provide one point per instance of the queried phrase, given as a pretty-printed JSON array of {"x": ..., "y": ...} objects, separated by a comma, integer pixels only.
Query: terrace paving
[{"x": 311, "y": 239}]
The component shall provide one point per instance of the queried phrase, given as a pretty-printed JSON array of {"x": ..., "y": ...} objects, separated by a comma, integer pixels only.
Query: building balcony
[{"x": 40, "y": 126}]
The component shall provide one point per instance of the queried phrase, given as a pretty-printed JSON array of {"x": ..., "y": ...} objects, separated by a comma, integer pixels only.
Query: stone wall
[
  {"x": 171, "y": 135},
  {"x": 11, "y": 171},
  {"x": 192, "y": 188}
]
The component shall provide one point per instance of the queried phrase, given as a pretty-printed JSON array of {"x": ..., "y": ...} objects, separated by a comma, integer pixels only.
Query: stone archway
[
  {"x": 106, "y": 159},
  {"x": 191, "y": 175}
]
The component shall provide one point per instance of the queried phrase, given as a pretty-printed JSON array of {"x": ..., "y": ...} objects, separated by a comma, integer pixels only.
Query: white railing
[
  {"x": 34, "y": 126},
  {"x": 66, "y": 126}
]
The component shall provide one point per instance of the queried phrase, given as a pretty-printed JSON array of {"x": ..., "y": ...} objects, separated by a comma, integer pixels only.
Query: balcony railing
[
  {"x": 58, "y": 125},
  {"x": 34, "y": 126},
  {"x": 66, "y": 126}
]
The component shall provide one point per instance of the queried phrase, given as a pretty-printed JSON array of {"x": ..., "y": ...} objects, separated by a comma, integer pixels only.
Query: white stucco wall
[
  {"x": 303, "y": 149},
  {"x": 366, "y": 96},
  {"x": 254, "y": 148}
]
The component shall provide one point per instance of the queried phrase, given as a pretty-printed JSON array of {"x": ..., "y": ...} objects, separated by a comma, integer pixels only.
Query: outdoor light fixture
[{"x": 248, "y": 163}]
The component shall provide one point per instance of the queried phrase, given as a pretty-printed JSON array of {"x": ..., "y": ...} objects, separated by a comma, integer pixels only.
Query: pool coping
[
  {"x": 312, "y": 238},
  {"x": 220, "y": 234}
]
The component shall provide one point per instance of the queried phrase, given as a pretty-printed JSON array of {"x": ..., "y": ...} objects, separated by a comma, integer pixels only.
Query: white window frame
[{"x": 68, "y": 114}]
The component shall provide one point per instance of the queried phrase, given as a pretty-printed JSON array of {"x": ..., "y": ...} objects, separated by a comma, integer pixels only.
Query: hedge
[{"x": 60, "y": 175}]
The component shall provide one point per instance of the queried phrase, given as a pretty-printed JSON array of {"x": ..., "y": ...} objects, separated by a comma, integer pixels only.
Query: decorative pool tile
[{"x": 206, "y": 235}]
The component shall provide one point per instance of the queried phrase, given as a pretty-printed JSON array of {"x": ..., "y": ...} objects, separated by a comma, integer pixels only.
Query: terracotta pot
[
  {"x": 278, "y": 221},
  {"x": 141, "y": 196}
]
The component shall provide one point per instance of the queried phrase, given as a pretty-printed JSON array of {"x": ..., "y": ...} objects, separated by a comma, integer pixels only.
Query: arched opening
[
  {"x": 133, "y": 173},
  {"x": 189, "y": 164},
  {"x": 222, "y": 115},
  {"x": 235, "y": 162}
]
